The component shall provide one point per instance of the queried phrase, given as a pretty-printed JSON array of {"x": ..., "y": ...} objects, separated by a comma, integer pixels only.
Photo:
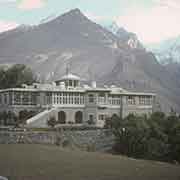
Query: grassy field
[{"x": 36, "y": 162}]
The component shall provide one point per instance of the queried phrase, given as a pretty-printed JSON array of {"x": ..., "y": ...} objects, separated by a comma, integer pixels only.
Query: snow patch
[{"x": 133, "y": 43}]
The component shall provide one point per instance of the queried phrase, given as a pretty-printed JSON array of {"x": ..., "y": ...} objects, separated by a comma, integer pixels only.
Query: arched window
[
  {"x": 79, "y": 117},
  {"x": 62, "y": 117}
]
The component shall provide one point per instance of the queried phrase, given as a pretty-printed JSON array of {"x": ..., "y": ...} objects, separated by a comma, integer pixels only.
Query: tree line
[
  {"x": 15, "y": 76},
  {"x": 154, "y": 137}
]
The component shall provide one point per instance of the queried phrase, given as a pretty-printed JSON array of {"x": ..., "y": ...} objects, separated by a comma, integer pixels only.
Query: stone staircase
[{"x": 40, "y": 120}]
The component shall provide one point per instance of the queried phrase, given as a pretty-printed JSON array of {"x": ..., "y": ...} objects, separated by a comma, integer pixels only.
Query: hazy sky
[{"x": 151, "y": 20}]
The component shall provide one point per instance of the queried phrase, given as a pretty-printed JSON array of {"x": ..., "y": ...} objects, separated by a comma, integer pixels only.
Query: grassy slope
[{"x": 49, "y": 162}]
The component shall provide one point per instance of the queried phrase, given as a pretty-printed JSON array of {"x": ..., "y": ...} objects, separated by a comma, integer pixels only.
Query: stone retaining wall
[{"x": 89, "y": 140}]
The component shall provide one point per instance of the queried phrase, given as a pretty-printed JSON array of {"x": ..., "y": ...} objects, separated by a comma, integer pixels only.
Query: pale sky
[{"x": 152, "y": 20}]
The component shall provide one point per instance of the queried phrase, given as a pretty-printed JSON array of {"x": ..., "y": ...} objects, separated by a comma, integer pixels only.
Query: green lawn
[{"x": 36, "y": 162}]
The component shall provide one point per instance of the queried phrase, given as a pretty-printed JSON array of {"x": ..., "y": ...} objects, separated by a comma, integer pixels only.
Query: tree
[
  {"x": 16, "y": 122},
  {"x": 114, "y": 122},
  {"x": 173, "y": 132},
  {"x": 156, "y": 137},
  {"x": 91, "y": 122},
  {"x": 134, "y": 134},
  {"x": 15, "y": 76},
  {"x": 9, "y": 118},
  {"x": 23, "y": 116},
  {"x": 4, "y": 118},
  {"x": 1, "y": 120}
]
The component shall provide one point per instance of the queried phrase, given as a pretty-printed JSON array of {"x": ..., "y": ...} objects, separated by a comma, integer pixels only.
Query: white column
[
  {"x": 68, "y": 98},
  {"x": 21, "y": 102}
]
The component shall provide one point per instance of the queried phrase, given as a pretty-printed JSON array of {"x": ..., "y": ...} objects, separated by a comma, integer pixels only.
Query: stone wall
[
  {"x": 88, "y": 140},
  {"x": 27, "y": 138}
]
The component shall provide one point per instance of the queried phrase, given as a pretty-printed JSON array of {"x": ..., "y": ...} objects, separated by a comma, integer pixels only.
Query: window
[
  {"x": 78, "y": 117},
  {"x": 25, "y": 98},
  {"x": 71, "y": 98},
  {"x": 76, "y": 98},
  {"x": 91, "y": 98},
  {"x": 102, "y": 98},
  {"x": 102, "y": 117},
  {"x": 141, "y": 100},
  {"x": 145, "y": 100},
  {"x": 61, "y": 117},
  {"x": 149, "y": 101},
  {"x": 64, "y": 98},
  {"x": 91, "y": 118},
  {"x": 34, "y": 99},
  {"x": 81, "y": 99},
  {"x": 17, "y": 98},
  {"x": 70, "y": 83},
  {"x": 75, "y": 83},
  {"x": 131, "y": 100},
  {"x": 5, "y": 98},
  {"x": 102, "y": 95}
]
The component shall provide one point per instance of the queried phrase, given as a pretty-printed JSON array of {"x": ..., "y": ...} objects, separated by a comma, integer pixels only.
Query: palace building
[{"x": 71, "y": 102}]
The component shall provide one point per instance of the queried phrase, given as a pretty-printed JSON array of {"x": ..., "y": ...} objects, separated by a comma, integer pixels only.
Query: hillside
[
  {"x": 50, "y": 162},
  {"x": 93, "y": 52}
]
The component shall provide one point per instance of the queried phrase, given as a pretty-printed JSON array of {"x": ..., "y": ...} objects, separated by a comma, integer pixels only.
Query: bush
[
  {"x": 52, "y": 122},
  {"x": 24, "y": 115},
  {"x": 90, "y": 122},
  {"x": 8, "y": 118}
]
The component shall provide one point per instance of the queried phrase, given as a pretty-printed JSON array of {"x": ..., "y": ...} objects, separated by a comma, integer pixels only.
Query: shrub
[
  {"x": 52, "y": 122},
  {"x": 90, "y": 122}
]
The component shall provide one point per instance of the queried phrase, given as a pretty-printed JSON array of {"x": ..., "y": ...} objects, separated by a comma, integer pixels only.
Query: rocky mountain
[
  {"x": 168, "y": 54},
  {"x": 167, "y": 51},
  {"x": 93, "y": 52},
  {"x": 128, "y": 37}
]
